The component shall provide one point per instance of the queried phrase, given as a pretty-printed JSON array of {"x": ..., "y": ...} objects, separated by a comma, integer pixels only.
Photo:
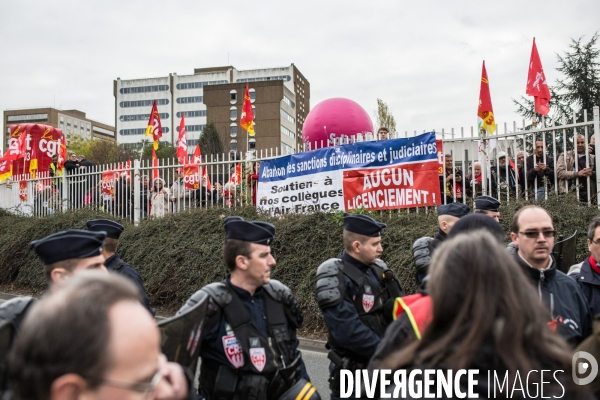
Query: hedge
[{"x": 180, "y": 253}]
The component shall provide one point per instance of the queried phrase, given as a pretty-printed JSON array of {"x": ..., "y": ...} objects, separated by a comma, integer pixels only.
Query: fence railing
[{"x": 507, "y": 165}]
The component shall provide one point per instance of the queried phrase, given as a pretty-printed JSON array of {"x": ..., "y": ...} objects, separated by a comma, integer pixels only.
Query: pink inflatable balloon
[{"x": 334, "y": 121}]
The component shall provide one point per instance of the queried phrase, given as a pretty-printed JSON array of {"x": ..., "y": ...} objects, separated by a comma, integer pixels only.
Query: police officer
[
  {"x": 423, "y": 247},
  {"x": 355, "y": 298},
  {"x": 113, "y": 261},
  {"x": 489, "y": 206},
  {"x": 249, "y": 347}
]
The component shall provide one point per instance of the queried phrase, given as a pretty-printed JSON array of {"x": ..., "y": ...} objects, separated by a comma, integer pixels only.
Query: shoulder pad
[
  {"x": 15, "y": 309},
  {"x": 219, "y": 297},
  {"x": 421, "y": 250},
  {"x": 330, "y": 287},
  {"x": 283, "y": 295},
  {"x": 192, "y": 301},
  {"x": 381, "y": 264}
]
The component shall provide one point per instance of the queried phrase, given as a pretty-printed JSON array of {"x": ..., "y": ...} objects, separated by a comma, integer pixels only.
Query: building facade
[
  {"x": 281, "y": 99},
  {"x": 72, "y": 122}
]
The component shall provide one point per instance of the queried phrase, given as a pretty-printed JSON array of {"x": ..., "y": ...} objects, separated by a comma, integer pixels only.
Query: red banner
[
  {"x": 398, "y": 186},
  {"x": 108, "y": 184},
  {"x": 45, "y": 139},
  {"x": 190, "y": 176},
  {"x": 23, "y": 190}
]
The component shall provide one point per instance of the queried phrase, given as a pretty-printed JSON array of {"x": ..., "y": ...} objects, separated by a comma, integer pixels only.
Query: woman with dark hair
[{"x": 486, "y": 316}]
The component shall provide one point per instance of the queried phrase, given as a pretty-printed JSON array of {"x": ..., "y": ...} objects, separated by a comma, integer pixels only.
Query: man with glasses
[
  {"x": 587, "y": 273},
  {"x": 533, "y": 235},
  {"x": 91, "y": 338}
]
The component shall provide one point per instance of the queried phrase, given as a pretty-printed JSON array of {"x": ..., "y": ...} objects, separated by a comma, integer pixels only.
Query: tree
[
  {"x": 100, "y": 152},
  {"x": 210, "y": 140},
  {"x": 384, "y": 117},
  {"x": 165, "y": 151}
]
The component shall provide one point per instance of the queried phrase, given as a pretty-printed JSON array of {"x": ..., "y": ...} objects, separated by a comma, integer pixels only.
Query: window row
[
  {"x": 286, "y": 78},
  {"x": 198, "y": 85},
  {"x": 141, "y": 117},
  {"x": 144, "y": 89},
  {"x": 288, "y": 101},
  {"x": 191, "y": 114},
  {"x": 288, "y": 116},
  {"x": 285, "y": 149},
  {"x": 192, "y": 142},
  {"x": 192, "y": 99},
  {"x": 139, "y": 131},
  {"x": 233, "y": 145},
  {"x": 287, "y": 132},
  {"x": 193, "y": 128},
  {"x": 142, "y": 103}
]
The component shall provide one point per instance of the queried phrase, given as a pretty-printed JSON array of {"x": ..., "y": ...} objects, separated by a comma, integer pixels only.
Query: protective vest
[
  {"x": 417, "y": 308},
  {"x": 256, "y": 360},
  {"x": 55, "y": 170}
]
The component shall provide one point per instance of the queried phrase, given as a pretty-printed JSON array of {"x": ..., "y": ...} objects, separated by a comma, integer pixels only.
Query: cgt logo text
[{"x": 459, "y": 384}]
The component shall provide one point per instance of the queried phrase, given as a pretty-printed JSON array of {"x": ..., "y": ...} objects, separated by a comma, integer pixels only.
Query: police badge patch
[
  {"x": 368, "y": 301},
  {"x": 258, "y": 358},
  {"x": 233, "y": 351}
]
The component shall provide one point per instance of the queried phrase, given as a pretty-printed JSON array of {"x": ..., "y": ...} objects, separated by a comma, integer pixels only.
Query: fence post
[
  {"x": 597, "y": 136},
  {"x": 64, "y": 199},
  {"x": 136, "y": 192}
]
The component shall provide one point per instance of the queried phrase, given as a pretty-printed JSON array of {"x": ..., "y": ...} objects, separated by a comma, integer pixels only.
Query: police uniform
[
  {"x": 356, "y": 301},
  {"x": 424, "y": 247},
  {"x": 249, "y": 346},
  {"x": 487, "y": 203},
  {"x": 114, "y": 263}
]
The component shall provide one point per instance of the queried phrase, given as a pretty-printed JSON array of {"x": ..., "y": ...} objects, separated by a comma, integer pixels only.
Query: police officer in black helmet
[
  {"x": 249, "y": 348},
  {"x": 355, "y": 293}
]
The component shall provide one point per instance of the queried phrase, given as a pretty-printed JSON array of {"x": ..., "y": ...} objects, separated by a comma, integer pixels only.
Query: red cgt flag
[
  {"x": 62, "y": 153},
  {"x": 197, "y": 159},
  {"x": 247, "y": 119},
  {"x": 181, "y": 142},
  {"x": 17, "y": 149},
  {"x": 485, "y": 110},
  {"x": 236, "y": 176},
  {"x": 154, "y": 127},
  {"x": 536, "y": 83}
]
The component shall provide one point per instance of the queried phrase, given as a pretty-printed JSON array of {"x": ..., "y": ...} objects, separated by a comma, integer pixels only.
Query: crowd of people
[{"x": 482, "y": 304}]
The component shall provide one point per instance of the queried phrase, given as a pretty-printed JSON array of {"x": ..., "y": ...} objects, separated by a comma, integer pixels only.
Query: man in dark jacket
[
  {"x": 72, "y": 167},
  {"x": 538, "y": 168},
  {"x": 113, "y": 262},
  {"x": 533, "y": 234},
  {"x": 588, "y": 273}
]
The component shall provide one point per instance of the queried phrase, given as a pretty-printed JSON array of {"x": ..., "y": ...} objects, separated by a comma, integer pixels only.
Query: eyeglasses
[
  {"x": 146, "y": 388},
  {"x": 597, "y": 241},
  {"x": 536, "y": 234}
]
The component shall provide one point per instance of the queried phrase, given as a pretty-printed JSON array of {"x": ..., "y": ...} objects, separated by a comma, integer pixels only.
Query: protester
[
  {"x": 252, "y": 180},
  {"x": 181, "y": 198},
  {"x": 587, "y": 273},
  {"x": 249, "y": 348},
  {"x": 494, "y": 324},
  {"x": 91, "y": 338},
  {"x": 159, "y": 198},
  {"x": 570, "y": 176},
  {"x": 55, "y": 172},
  {"x": 383, "y": 133},
  {"x": 355, "y": 297},
  {"x": 507, "y": 175},
  {"x": 451, "y": 185},
  {"x": 533, "y": 236},
  {"x": 229, "y": 198},
  {"x": 113, "y": 262},
  {"x": 538, "y": 169},
  {"x": 76, "y": 188},
  {"x": 489, "y": 206}
]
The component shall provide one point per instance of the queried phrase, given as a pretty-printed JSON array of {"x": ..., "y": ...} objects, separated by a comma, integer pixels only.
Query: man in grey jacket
[{"x": 181, "y": 198}]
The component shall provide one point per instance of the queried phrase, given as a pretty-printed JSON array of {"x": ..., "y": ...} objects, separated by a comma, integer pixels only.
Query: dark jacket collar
[
  {"x": 587, "y": 274},
  {"x": 440, "y": 235},
  {"x": 534, "y": 273},
  {"x": 353, "y": 261},
  {"x": 243, "y": 294},
  {"x": 110, "y": 261}
]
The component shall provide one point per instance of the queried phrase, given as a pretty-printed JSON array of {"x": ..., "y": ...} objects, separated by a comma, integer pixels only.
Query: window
[
  {"x": 198, "y": 85},
  {"x": 233, "y": 97},
  {"x": 68, "y": 121},
  {"x": 191, "y": 142},
  {"x": 193, "y": 128},
  {"x": 143, "y": 103},
  {"x": 252, "y": 144},
  {"x": 285, "y": 149},
  {"x": 288, "y": 117},
  {"x": 141, "y": 117},
  {"x": 144, "y": 89},
  {"x": 232, "y": 113},
  {"x": 233, "y": 130},
  {"x": 88, "y": 127},
  {"x": 192, "y": 114},
  {"x": 252, "y": 95},
  {"x": 285, "y": 78},
  {"x": 140, "y": 131},
  {"x": 287, "y": 132},
  {"x": 254, "y": 111},
  {"x": 288, "y": 101},
  {"x": 233, "y": 145},
  {"x": 61, "y": 119},
  {"x": 186, "y": 100}
]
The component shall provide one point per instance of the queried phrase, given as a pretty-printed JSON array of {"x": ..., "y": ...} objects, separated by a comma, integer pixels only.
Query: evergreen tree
[{"x": 210, "y": 141}]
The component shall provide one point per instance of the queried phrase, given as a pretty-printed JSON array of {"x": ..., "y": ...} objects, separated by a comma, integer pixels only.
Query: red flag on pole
[
  {"x": 33, "y": 162},
  {"x": 17, "y": 149},
  {"x": 247, "y": 119},
  {"x": 155, "y": 173},
  {"x": 181, "y": 142},
  {"x": 236, "y": 176},
  {"x": 536, "y": 83},
  {"x": 485, "y": 112},
  {"x": 154, "y": 127},
  {"x": 62, "y": 153},
  {"x": 197, "y": 159}
]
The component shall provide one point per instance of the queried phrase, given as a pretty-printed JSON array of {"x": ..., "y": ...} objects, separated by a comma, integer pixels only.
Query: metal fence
[{"x": 504, "y": 165}]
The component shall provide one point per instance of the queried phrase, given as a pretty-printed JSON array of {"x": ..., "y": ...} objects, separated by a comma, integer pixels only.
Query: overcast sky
[{"x": 421, "y": 57}]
